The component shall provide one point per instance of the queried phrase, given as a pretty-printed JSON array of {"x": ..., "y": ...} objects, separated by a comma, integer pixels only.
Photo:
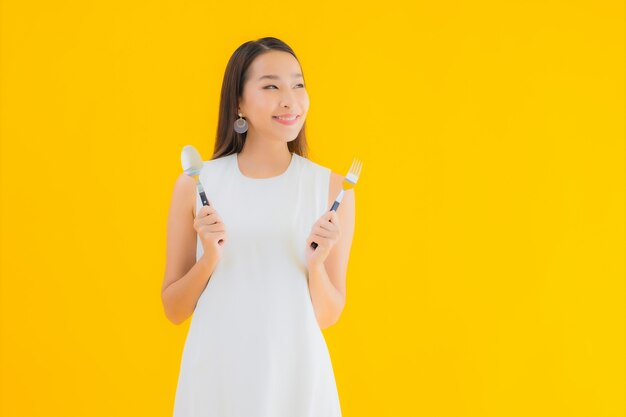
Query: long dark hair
[{"x": 227, "y": 140}]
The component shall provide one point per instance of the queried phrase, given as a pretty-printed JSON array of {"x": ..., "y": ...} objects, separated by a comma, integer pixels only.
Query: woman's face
[{"x": 274, "y": 87}]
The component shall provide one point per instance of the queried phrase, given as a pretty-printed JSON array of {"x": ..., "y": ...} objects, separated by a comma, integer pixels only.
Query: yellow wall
[{"x": 487, "y": 270}]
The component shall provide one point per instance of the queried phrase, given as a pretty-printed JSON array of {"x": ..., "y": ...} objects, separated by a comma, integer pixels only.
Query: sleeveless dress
[{"x": 254, "y": 347}]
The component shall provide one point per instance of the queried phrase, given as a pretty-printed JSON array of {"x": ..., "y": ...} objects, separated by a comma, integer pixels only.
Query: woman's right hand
[{"x": 211, "y": 230}]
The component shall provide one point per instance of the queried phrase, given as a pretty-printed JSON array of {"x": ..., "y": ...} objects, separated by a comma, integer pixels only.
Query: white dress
[{"x": 254, "y": 347}]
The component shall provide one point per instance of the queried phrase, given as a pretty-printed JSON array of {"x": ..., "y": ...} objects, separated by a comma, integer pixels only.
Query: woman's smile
[{"x": 287, "y": 120}]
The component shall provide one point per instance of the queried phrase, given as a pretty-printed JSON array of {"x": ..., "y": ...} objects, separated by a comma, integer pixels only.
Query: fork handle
[{"x": 334, "y": 207}]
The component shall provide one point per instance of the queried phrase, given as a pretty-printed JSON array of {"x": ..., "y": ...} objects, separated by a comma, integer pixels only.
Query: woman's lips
[{"x": 286, "y": 122}]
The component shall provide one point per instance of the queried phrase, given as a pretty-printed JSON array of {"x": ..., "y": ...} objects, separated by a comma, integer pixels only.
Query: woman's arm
[
  {"x": 327, "y": 281},
  {"x": 185, "y": 279},
  {"x": 327, "y": 301}
]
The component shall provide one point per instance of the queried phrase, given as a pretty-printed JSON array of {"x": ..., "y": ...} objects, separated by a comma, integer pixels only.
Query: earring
[{"x": 241, "y": 126}]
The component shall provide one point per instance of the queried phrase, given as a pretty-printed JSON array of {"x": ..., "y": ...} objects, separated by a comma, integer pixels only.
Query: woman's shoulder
[
  {"x": 335, "y": 180},
  {"x": 312, "y": 165},
  {"x": 216, "y": 164},
  {"x": 220, "y": 160}
]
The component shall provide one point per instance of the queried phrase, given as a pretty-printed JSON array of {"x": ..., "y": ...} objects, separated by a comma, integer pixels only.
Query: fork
[{"x": 348, "y": 182}]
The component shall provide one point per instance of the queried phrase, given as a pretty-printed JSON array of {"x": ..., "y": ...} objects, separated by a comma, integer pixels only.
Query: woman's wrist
[{"x": 315, "y": 265}]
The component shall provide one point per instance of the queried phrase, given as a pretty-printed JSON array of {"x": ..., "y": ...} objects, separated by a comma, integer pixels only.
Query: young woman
[{"x": 244, "y": 265}]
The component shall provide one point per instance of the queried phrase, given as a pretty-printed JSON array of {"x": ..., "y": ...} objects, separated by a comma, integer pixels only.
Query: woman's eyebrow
[{"x": 276, "y": 77}]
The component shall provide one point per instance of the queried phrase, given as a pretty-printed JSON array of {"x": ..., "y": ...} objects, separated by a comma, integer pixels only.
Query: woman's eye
[{"x": 267, "y": 86}]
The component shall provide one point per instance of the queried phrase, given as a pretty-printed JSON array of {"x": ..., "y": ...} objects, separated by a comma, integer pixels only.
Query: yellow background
[{"x": 487, "y": 270}]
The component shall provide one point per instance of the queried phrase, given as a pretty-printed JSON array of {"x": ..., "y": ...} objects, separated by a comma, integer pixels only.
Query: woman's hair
[{"x": 227, "y": 140}]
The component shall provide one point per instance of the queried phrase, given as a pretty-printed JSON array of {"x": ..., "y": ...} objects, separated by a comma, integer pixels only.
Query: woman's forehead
[{"x": 275, "y": 64}]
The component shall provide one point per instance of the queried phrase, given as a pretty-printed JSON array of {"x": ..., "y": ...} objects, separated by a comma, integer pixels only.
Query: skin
[{"x": 265, "y": 154}]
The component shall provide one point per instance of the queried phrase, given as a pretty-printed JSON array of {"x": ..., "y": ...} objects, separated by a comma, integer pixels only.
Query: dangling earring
[{"x": 241, "y": 126}]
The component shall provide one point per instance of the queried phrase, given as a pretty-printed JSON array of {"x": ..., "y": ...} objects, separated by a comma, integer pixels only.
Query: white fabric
[{"x": 254, "y": 347}]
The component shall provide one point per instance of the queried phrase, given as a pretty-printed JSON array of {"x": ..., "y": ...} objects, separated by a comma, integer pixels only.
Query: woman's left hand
[{"x": 326, "y": 233}]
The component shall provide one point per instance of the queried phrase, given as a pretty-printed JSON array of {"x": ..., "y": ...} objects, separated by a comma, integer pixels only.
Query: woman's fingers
[
  {"x": 323, "y": 232},
  {"x": 328, "y": 226},
  {"x": 329, "y": 221},
  {"x": 208, "y": 220},
  {"x": 216, "y": 227},
  {"x": 325, "y": 226},
  {"x": 207, "y": 211},
  {"x": 212, "y": 218}
]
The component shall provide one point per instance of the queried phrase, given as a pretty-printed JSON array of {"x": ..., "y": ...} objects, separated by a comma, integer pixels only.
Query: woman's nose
[{"x": 287, "y": 99}]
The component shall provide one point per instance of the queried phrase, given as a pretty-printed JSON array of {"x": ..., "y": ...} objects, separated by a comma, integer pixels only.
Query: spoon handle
[{"x": 205, "y": 201}]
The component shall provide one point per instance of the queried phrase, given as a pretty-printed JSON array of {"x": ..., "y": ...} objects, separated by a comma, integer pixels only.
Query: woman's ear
[{"x": 239, "y": 103}]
